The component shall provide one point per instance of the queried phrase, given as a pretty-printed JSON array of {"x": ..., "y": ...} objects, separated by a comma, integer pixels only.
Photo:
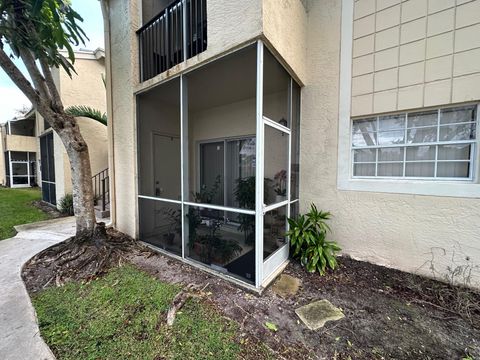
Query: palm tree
[{"x": 88, "y": 112}]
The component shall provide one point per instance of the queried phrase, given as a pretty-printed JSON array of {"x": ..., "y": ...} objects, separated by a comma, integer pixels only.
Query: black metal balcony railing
[{"x": 177, "y": 33}]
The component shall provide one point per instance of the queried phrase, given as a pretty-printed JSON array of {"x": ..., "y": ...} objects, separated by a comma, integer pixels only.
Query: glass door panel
[{"x": 276, "y": 164}]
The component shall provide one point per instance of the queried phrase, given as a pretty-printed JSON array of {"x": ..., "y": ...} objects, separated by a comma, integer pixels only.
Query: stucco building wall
[
  {"x": 416, "y": 53},
  {"x": 398, "y": 230},
  {"x": 404, "y": 231},
  {"x": 84, "y": 88},
  {"x": 285, "y": 28},
  {"x": 20, "y": 143},
  {"x": 2, "y": 156}
]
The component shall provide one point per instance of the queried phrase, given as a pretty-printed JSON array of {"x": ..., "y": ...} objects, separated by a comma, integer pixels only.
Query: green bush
[
  {"x": 308, "y": 240},
  {"x": 65, "y": 205}
]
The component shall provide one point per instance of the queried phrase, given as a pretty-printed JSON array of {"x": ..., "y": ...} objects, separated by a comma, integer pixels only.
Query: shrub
[
  {"x": 308, "y": 240},
  {"x": 65, "y": 205}
]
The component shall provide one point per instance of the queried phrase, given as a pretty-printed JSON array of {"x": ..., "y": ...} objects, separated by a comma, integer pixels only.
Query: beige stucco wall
[
  {"x": 400, "y": 231},
  {"x": 124, "y": 68},
  {"x": 84, "y": 88},
  {"x": 285, "y": 28},
  {"x": 20, "y": 143},
  {"x": 231, "y": 24},
  {"x": 2, "y": 155},
  {"x": 416, "y": 53}
]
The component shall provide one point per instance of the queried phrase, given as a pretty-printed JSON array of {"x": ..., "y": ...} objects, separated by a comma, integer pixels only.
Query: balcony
[
  {"x": 20, "y": 143},
  {"x": 176, "y": 34}
]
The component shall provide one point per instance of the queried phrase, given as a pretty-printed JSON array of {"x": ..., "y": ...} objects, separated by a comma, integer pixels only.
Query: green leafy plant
[
  {"x": 245, "y": 195},
  {"x": 308, "y": 239},
  {"x": 213, "y": 248},
  {"x": 206, "y": 195},
  {"x": 65, "y": 205}
]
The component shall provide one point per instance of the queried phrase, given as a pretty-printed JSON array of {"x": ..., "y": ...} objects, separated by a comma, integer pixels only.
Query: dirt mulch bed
[{"x": 389, "y": 314}]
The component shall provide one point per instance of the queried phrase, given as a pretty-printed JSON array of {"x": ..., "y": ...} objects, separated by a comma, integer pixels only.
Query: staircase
[{"x": 101, "y": 189}]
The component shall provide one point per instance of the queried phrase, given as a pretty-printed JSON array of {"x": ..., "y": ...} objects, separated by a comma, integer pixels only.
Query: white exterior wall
[{"x": 403, "y": 231}]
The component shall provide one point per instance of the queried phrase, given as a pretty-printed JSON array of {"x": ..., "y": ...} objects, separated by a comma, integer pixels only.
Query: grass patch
[
  {"x": 16, "y": 208},
  {"x": 122, "y": 315}
]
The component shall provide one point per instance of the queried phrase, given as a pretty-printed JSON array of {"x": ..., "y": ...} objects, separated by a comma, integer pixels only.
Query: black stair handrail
[{"x": 101, "y": 186}]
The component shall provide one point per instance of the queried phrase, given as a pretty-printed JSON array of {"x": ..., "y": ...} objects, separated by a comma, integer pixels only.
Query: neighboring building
[
  {"x": 18, "y": 145},
  {"x": 30, "y": 140},
  {"x": 84, "y": 88},
  {"x": 368, "y": 107}
]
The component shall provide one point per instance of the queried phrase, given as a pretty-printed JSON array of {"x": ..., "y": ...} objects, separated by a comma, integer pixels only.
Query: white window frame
[
  {"x": 465, "y": 189},
  {"x": 473, "y": 160}
]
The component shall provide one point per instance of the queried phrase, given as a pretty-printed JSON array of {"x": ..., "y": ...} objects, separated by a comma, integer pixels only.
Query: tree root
[
  {"x": 77, "y": 259},
  {"x": 190, "y": 291}
]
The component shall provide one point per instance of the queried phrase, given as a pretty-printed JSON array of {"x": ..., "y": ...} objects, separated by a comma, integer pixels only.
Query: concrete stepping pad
[
  {"x": 286, "y": 286},
  {"x": 317, "y": 313}
]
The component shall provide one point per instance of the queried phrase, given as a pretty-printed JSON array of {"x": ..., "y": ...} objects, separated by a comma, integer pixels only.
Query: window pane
[
  {"x": 276, "y": 163},
  {"x": 364, "y": 170},
  {"x": 457, "y": 132},
  {"x": 390, "y": 154},
  {"x": 422, "y": 119},
  {"x": 424, "y": 169},
  {"x": 19, "y": 169},
  {"x": 364, "y": 155},
  {"x": 275, "y": 224},
  {"x": 276, "y": 82},
  {"x": 364, "y": 139},
  {"x": 390, "y": 169},
  {"x": 392, "y": 122},
  {"x": 159, "y": 141},
  {"x": 454, "y": 152},
  {"x": 161, "y": 224},
  {"x": 226, "y": 246},
  {"x": 18, "y": 156},
  {"x": 212, "y": 173},
  {"x": 457, "y": 115},
  {"x": 422, "y": 135},
  {"x": 421, "y": 153},
  {"x": 391, "y": 137},
  {"x": 364, "y": 125},
  {"x": 453, "y": 169},
  {"x": 240, "y": 174},
  {"x": 20, "y": 180}
]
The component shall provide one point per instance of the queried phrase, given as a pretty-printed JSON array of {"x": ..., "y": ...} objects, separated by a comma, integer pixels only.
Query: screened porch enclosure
[{"x": 205, "y": 139}]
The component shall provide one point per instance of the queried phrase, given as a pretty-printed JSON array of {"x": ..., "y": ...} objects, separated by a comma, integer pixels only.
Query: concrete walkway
[{"x": 19, "y": 334}]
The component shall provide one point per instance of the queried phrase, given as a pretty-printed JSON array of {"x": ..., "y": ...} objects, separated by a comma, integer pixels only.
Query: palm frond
[{"x": 88, "y": 112}]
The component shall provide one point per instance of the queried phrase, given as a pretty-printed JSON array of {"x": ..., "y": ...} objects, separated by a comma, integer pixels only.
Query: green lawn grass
[
  {"x": 16, "y": 209},
  {"x": 122, "y": 316}
]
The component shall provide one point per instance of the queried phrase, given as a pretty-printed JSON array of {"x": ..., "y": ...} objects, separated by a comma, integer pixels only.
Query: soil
[{"x": 388, "y": 314}]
